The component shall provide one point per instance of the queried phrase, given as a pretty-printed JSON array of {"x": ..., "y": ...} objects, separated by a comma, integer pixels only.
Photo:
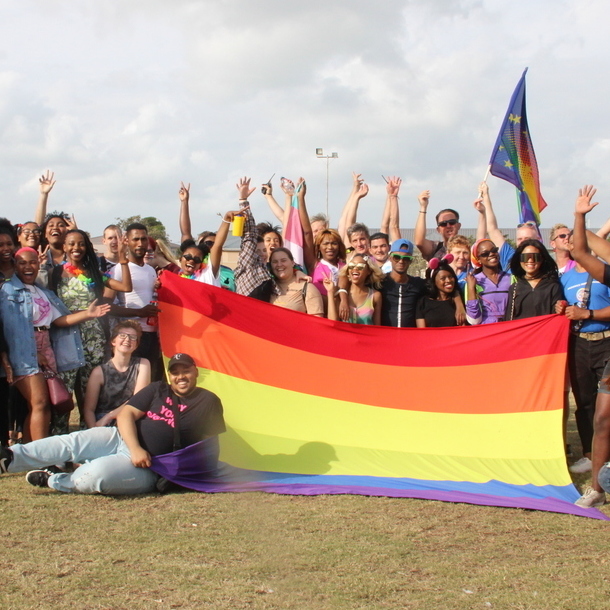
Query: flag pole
[{"x": 485, "y": 178}]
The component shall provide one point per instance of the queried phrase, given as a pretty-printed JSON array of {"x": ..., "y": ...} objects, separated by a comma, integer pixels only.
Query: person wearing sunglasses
[
  {"x": 115, "y": 381},
  {"x": 214, "y": 273},
  {"x": 560, "y": 238},
  {"x": 537, "y": 289},
  {"x": 487, "y": 284},
  {"x": 447, "y": 225},
  {"x": 364, "y": 299},
  {"x": 399, "y": 290}
]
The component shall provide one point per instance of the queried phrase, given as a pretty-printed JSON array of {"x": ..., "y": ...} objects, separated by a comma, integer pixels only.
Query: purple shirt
[{"x": 491, "y": 304}]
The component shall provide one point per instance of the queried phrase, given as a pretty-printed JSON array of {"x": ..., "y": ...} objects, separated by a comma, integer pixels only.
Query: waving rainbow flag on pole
[
  {"x": 513, "y": 158},
  {"x": 467, "y": 414},
  {"x": 293, "y": 231}
]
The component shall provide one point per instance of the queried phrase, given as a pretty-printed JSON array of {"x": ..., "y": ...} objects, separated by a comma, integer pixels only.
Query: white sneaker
[
  {"x": 581, "y": 466},
  {"x": 591, "y": 498}
]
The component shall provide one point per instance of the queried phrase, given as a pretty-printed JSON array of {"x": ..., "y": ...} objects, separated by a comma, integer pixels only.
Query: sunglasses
[
  {"x": 401, "y": 257},
  {"x": 489, "y": 252},
  {"x": 208, "y": 243},
  {"x": 127, "y": 337},
  {"x": 451, "y": 222},
  {"x": 529, "y": 223},
  {"x": 531, "y": 256},
  {"x": 189, "y": 257},
  {"x": 359, "y": 266},
  {"x": 561, "y": 236}
]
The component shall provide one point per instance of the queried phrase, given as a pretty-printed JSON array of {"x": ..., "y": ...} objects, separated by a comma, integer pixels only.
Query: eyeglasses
[
  {"x": 488, "y": 253},
  {"x": 531, "y": 256},
  {"x": 529, "y": 223},
  {"x": 450, "y": 222},
  {"x": 127, "y": 337},
  {"x": 561, "y": 236},
  {"x": 31, "y": 232},
  {"x": 359, "y": 266},
  {"x": 189, "y": 257},
  {"x": 401, "y": 257}
]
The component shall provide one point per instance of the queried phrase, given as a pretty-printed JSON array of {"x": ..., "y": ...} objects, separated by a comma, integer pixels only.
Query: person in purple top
[{"x": 487, "y": 286}]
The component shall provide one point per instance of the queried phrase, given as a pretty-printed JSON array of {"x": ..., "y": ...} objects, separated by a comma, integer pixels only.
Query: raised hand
[
  {"x": 243, "y": 188},
  {"x": 478, "y": 206},
  {"x": 393, "y": 186},
  {"x": 71, "y": 222},
  {"x": 47, "y": 182},
  {"x": 329, "y": 285},
  {"x": 424, "y": 199},
  {"x": 184, "y": 191},
  {"x": 42, "y": 256},
  {"x": 583, "y": 201}
]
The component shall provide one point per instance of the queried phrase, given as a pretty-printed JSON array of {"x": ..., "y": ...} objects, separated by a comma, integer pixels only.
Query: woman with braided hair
[{"x": 78, "y": 282}]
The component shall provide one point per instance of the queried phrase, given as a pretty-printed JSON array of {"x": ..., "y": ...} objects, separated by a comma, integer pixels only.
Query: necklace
[
  {"x": 79, "y": 274},
  {"x": 187, "y": 276}
]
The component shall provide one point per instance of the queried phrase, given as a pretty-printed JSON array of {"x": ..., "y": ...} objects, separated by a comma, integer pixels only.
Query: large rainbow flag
[{"x": 469, "y": 414}]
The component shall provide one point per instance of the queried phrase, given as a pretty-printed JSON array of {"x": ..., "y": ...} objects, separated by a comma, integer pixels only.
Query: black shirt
[
  {"x": 436, "y": 313},
  {"x": 200, "y": 416},
  {"x": 400, "y": 300}
]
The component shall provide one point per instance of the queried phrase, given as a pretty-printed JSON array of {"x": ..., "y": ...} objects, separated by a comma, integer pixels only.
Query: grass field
[{"x": 254, "y": 550}]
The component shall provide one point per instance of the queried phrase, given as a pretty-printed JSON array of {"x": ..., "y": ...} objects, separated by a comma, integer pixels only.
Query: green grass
[{"x": 255, "y": 550}]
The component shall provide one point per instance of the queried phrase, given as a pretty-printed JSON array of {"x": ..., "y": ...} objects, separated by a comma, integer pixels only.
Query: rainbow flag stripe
[{"x": 320, "y": 407}]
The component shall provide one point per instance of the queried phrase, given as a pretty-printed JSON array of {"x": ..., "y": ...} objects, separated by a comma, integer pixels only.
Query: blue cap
[{"x": 402, "y": 246}]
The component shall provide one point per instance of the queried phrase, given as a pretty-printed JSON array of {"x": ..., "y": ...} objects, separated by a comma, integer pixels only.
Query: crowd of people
[{"x": 91, "y": 318}]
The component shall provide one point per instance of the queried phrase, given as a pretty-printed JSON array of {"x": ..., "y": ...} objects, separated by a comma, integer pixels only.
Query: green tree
[{"x": 156, "y": 228}]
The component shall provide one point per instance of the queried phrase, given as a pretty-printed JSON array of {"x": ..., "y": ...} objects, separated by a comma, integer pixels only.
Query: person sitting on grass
[
  {"x": 116, "y": 461},
  {"x": 114, "y": 382}
]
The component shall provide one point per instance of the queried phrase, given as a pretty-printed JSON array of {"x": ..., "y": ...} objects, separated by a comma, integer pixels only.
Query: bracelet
[
  {"x": 590, "y": 314},
  {"x": 227, "y": 221},
  {"x": 243, "y": 201},
  {"x": 422, "y": 212},
  {"x": 341, "y": 290}
]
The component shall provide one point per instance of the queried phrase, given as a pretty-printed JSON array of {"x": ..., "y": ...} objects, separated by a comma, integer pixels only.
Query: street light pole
[{"x": 320, "y": 154}]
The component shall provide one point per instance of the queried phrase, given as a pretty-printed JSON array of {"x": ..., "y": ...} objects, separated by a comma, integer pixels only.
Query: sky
[{"x": 123, "y": 100}]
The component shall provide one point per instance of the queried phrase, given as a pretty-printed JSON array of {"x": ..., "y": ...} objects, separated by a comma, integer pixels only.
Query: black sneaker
[
  {"x": 38, "y": 478},
  {"x": 6, "y": 457}
]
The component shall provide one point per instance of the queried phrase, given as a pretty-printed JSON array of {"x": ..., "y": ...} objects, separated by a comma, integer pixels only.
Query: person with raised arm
[
  {"x": 347, "y": 220},
  {"x": 525, "y": 230},
  {"x": 208, "y": 271},
  {"x": 390, "y": 229},
  {"x": 584, "y": 241},
  {"x": 447, "y": 225}
]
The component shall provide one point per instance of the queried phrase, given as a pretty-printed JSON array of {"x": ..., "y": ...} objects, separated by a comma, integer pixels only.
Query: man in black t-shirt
[
  {"x": 117, "y": 460},
  {"x": 400, "y": 291}
]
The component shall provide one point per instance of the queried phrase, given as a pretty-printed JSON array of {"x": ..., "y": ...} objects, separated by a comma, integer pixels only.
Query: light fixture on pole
[{"x": 320, "y": 154}]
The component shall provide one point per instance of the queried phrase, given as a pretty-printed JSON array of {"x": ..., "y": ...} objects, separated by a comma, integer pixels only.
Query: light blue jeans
[{"x": 106, "y": 463}]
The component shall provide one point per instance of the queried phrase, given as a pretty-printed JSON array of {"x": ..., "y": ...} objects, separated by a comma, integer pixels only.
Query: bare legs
[{"x": 34, "y": 390}]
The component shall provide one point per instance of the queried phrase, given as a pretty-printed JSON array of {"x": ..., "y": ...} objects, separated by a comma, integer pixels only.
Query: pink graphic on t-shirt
[{"x": 44, "y": 307}]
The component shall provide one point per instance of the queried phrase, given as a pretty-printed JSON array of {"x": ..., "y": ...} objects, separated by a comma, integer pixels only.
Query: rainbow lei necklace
[
  {"x": 79, "y": 274},
  {"x": 188, "y": 276}
]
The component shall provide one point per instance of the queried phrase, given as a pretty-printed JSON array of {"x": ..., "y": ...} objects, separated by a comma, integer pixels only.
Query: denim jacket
[{"x": 16, "y": 313}]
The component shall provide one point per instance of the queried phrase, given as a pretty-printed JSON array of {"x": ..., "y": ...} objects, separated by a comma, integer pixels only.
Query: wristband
[
  {"x": 341, "y": 290},
  {"x": 422, "y": 212},
  {"x": 227, "y": 221},
  {"x": 590, "y": 314}
]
